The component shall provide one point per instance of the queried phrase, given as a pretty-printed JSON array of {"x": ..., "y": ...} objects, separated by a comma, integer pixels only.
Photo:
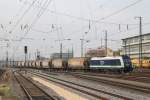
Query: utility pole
[
  {"x": 6, "y": 58},
  {"x": 72, "y": 51},
  {"x": 129, "y": 49},
  {"x": 29, "y": 56},
  {"x": 82, "y": 40},
  {"x": 106, "y": 42},
  {"x": 68, "y": 53},
  {"x": 82, "y": 43},
  {"x": 101, "y": 42},
  {"x": 140, "y": 40},
  {"x": 25, "y": 52},
  {"x": 13, "y": 62},
  {"x": 61, "y": 47},
  {"x": 38, "y": 54},
  {"x": 61, "y": 50},
  {"x": 125, "y": 43},
  {"x": 35, "y": 54}
]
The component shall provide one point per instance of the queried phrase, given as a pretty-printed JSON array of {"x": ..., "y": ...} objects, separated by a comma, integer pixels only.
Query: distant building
[
  {"x": 99, "y": 52},
  {"x": 117, "y": 52},
  {"x": 41, "y": 58},
  {"x": 130, "y": 46},
  {"x": 64, "y": 55}
]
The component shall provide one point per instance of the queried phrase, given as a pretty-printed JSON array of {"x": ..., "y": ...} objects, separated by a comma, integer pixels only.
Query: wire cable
[
  {"x": 120, "y": 10},
  {"x": 46, "y": 4}
]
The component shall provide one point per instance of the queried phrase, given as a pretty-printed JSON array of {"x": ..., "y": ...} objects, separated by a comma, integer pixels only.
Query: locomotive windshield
[{"x": 127, "y": 63}]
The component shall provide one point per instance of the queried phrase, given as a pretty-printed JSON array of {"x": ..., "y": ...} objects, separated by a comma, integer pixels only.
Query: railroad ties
[
  {"x": 96, "y": 93},
  {"x": 32, "y": 91},
  {"x": 135, "y": 85}
]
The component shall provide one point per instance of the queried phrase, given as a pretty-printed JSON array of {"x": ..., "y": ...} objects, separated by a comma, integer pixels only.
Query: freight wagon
[
  {"x": 78, "y": 63},
  {"x": 46, "y": 64},
  {"x": 59, "y": 64}
]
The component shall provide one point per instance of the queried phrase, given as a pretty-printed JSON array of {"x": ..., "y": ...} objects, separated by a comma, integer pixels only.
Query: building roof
[
  {"x": 99, "y": 50},
  {"x": 136, "y": 36}
]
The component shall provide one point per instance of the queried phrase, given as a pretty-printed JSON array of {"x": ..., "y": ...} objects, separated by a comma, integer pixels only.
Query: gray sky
[{"x": 39, "y": 23}]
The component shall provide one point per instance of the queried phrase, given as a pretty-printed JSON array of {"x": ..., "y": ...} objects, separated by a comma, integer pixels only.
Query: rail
[
  {"x": 25, "y": 83},
  {"x": 138, "y": 86},
  {"x": 53, "y": 79}
]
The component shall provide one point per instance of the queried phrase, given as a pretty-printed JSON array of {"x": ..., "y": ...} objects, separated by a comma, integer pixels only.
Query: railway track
[
  {"x": 138, "y": 86},
  {"x": 133, "y": 82},
  {"x": 81, "y": 88},
  {"x": 142, "y": 78},
  {"x": 32, "y": 91}
]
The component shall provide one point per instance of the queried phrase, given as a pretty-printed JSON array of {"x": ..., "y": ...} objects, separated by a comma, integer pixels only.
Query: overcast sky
[{"x": 39, "y": 24}]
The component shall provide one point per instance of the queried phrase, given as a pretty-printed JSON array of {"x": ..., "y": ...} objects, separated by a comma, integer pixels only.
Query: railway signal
[{"x": 25, "y": 51}]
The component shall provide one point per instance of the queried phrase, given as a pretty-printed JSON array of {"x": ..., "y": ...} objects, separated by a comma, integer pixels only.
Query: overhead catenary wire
[
  {"x": 12, "y": 19},
  {"x": 18, "y": 21},
  {"x": 109, "y": 23},
  {"x": 56, "y": 27},
  {"x": 37, "y": 17},
  {"x": 25, "y": 12},
  {"x": 40, "y": 13},
  {"x": 95, "y": 20},
  {"x": 85, "y": 27},
  {"x": 110, "y": 15},
  {"x": 120, "y": 10}
]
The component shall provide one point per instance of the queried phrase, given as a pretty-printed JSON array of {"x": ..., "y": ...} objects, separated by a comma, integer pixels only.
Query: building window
[
  {"x": 135, "y": 40},
  {"x": 147, "y": 37}
]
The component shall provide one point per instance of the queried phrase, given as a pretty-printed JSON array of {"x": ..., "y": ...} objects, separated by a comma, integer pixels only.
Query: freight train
[{"x": 121, "y": 64}]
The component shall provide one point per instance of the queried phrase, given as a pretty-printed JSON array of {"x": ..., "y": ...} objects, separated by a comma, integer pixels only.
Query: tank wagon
[
  {"x": 19, "y": 64},
  {"x": 30, "y": 63},
  {"x": 38, "y": 63},
  {"x": 78, "y": 63},
  {"x": 15, "y": 64},
  {"x": 33, "y": 64},
  {"x": 46, "y": 64},
  {"x": 59, "y": 64},
  {"x": 22, "y": 63},
  {"x": 26, "y": 63}
]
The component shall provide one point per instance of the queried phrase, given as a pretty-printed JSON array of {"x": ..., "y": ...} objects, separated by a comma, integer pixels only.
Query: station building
[
  {"x": 130, "y": 46},
  {"x": 64, "y": 55}
]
